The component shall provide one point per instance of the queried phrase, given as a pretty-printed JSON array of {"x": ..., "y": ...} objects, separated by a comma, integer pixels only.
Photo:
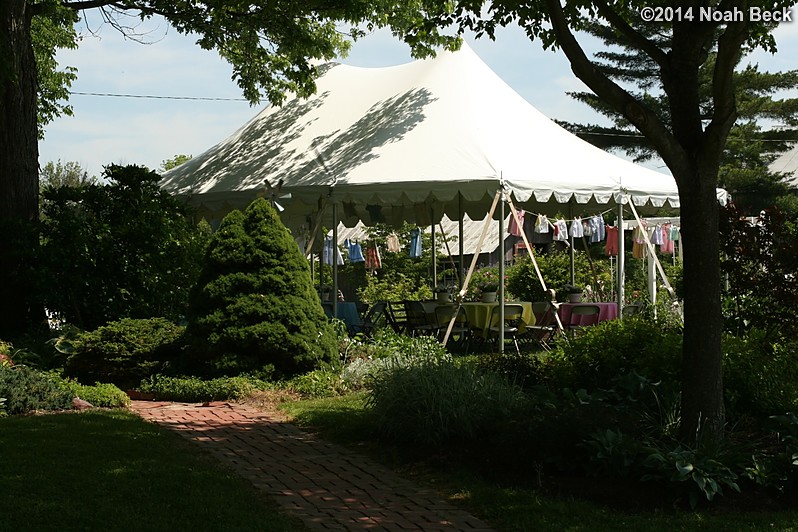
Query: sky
[{"x": 148, "y": 131}]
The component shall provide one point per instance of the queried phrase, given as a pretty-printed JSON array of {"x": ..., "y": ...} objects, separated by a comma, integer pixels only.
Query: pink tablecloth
[{"x": 607, "y": 311}]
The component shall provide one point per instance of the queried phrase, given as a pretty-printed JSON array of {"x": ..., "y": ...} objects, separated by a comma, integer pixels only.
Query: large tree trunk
[
  {"x": 702, "y": 378},
  {"x": 19, "y": 156}
]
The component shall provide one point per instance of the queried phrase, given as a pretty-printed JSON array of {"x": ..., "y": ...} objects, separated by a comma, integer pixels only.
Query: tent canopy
[{"x": 411, "y": 143}]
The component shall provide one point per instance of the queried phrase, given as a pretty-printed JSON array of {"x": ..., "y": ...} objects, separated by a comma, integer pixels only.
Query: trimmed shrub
[
  {"x": 194, "y": 389},
  {"x": 102, "y": 395},
  {"x": 123, "y": 352},
  {"x": 27, "y": 390},
  {"x": 254, "y": 304}
]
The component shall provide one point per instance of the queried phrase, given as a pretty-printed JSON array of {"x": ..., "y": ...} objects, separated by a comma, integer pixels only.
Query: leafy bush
[
  {"x": 123, "y": 352},
  {"x": 26, "y": 390},
  {"x": 102, "y": 395},
  {"x": 617, "y": 347},
  {"x": 326, "y": 382},
  {"x": 760, "y": 376},
  {"x": 555, "y": 266},
  {"x": 432, "y": 400},
  {"x": 254, "y": 304},
  {"x": 485, "y": 279},
  {"x": 121, "y": 249},
  {"x": 194, "y": 389},
  {"x": 760, "y": 262}
]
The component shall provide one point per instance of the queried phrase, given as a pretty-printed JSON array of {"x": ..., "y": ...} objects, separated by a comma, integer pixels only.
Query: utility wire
[
  {"x": 205, "y": 98},
  {"x": 158, "y": 97}
]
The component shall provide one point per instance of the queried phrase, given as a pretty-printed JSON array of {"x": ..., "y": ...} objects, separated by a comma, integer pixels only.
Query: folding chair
[
  {"x": 511, "y": 325},
  {"x": 545, "y": 327},
  {"x": 417, "y": 320},
  {"x": 582, "y": 316},
  {"x": 632, "y": 309},
  {"x": 460, "y": 336},
  {"x": 377, "y": 317},
  {"x": 398, "y": 316}
]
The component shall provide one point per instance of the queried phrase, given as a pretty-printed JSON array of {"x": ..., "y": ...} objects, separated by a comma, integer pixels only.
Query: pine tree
[
  {"x": 750, "y": 148},
  {"x": 254, "y": 305}
]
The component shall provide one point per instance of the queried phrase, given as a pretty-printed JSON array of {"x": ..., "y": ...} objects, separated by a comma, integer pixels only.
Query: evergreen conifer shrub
[{"x": 254, "y": 306}]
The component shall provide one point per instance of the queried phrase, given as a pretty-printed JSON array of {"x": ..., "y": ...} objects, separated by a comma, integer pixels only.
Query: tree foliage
[
  {"x": 68, "y": 174},
  {"x": 51, "y": 31},
  {"x": 123, "y": 249},
  {"x": 254, "y": 306},
  {"x": 750, "y": 148}
]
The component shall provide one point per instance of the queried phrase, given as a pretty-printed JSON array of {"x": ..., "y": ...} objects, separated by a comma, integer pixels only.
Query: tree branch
[
  {"x": 647, "y": 122},
  {"x": 634, "y": 36},
  {"x": 724, "y": 116},
  {"x": 88, "y": 4}
]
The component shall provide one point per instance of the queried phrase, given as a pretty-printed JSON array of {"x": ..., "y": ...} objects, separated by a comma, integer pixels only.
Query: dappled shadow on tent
[
  {"x": 263, "y": 148},
  {"x": 386, "y": 122},
  {"x": 260, "y": 146}
]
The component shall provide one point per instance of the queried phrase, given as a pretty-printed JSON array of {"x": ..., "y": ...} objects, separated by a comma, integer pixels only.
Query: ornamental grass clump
[{"x": 434, "y": 400}]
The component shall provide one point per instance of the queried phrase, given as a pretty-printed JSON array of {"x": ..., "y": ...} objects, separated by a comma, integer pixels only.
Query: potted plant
[
  {"x": 325, "y": 291},
  {"x": 442, "y": 294},
  {"x": 488, "y": 291},
  {"x": 573, "y": 294}
]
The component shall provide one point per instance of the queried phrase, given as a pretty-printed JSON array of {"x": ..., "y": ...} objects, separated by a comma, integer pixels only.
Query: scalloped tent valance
[{"x": 412, "y": 142}]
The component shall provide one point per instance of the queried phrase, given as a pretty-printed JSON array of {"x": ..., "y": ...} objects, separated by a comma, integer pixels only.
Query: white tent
[
  {"x": 411, "y": 143},
  {"x": 398, "y": 143}
]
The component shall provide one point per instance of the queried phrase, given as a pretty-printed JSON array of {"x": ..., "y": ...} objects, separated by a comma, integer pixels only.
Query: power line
[{"x": 152, "y": 97}]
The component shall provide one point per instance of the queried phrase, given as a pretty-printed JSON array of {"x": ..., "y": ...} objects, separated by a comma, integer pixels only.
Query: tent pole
[
  {"x": 621, "y": 258},
  {"x": 460, "y": 237},
  {"x": 434, "y": 249},
  {"x": 335, "y": 260},
  {"x": 573, "y": 258},
  {"x": 501, "y": 275}
]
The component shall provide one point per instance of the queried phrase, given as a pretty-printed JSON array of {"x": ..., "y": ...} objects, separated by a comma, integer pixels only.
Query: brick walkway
[{"x": 327, "y": 486}]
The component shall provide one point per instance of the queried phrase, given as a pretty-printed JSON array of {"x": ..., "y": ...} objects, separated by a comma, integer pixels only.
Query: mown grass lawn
[{"x": 110, "y": 470}]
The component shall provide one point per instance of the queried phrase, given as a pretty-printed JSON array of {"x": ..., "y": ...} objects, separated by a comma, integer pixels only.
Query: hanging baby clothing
[
  {"x": 542, "y": 224},
  {"x": 373, "y": 261},
  {"x": 560, "y": 230},
  {"x": 354, "y": 251},
  {"x": 674, "y": 236},
  {"x": 667, "y": 243},
  {"x": 597, "y": 229},
  {"x": 656, "y": 235},
  {"x": 415, "y": 242},
  {"x": 587, "y": 229},
  {"x": 330, "y": 250},
  {"x": 611, "y": 248},
  {"x": 638, "y": 242},
  {"x": 514, "y": 228},
  {"x": 576, "y": 228},
  {"x": 393, "y": 243}
]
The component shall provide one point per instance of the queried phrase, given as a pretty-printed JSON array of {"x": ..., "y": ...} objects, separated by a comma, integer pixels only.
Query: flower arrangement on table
[
  {"x": 489, "y": 287},
  {"x": 483, "y": 280},
  {"x": 572, "y": 293}
]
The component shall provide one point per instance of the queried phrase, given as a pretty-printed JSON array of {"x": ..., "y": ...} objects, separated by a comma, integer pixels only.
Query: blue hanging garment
[
  {"x": 354, "y": 251},
  {"x": 415, "y": 242},
  {"x": 330, "y": 250}
]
